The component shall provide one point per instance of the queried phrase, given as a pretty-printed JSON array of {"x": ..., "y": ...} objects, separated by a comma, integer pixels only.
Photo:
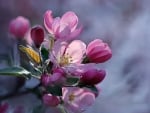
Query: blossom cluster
[{"x": 65, "y": 65}]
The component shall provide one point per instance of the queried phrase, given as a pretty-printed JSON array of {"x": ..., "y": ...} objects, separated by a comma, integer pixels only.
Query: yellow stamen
[{"x": 71, "y": 97}]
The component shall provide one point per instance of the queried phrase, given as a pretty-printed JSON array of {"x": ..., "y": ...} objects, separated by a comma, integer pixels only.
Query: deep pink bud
[
  {"x": 98, "y": 51},
  {"x": 4, "y": 108},
  {"x": 51, "y": 100},
  {"x": 19, "y": 26},
  {"x": 57, "y": 78},
  {"x": 45, "y": 79},
  {"x": 37, "y": 35},
  {"x": 92, "y": 76}
]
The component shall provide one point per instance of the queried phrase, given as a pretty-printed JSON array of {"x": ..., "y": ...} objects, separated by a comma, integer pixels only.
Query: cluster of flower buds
[{"x": 65, "y": 65}]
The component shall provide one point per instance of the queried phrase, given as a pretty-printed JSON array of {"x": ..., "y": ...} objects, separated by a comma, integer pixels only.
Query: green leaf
[
  {"x": 72, "y": 81},
  {"x": 93, "y": 89},
  {"x": 15, "y": 71},
  {"x": 55, "y": 90},
  {"x": 44, "y": 53}
]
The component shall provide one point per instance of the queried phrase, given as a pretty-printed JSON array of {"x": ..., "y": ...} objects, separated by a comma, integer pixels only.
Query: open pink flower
[
  {"x": 98, "y": 51},
  {"x": 19, "y": 26},
  {"x": 66, "y": 54},
  {"x": 77, "y": 100},
  {"x": 64, "y": 27}
]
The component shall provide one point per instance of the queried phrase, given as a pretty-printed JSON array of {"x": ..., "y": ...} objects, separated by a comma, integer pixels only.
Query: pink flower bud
[
  {"x": 50, "y": 100},
  {"x": 19, "y": 26},
  {"x": 93, "y": 76},
  {"x": 45, "y": 79},
  {"x": 37, "y": 35},
  {"x": 4, "y": 108},
  {"x": 57, "y": 78},
  {"x": 98, "y": 51}
]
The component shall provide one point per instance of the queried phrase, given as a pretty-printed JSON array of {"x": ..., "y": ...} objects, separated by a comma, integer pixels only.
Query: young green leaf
[
  {"x": 44, "y": 53},
  {"x": 15, "y": 71},
  {"x": 55, "y": 90}
]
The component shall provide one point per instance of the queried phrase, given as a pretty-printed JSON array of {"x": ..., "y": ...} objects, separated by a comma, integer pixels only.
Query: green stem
[{"x": 62, "y": 109}]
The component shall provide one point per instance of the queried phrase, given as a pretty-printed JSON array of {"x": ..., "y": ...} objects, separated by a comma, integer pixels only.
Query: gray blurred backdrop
[{"x": 124, "y": 24}]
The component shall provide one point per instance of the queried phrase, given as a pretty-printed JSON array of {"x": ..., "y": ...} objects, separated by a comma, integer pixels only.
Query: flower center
[
  {"x": 71, "y": 97},
  {"x": 65, "y": 60}
]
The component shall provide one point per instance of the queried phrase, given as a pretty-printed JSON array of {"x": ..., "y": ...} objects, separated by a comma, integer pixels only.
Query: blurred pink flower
[
  {"x": 66, "y": 54},
  {"x": 98, "y": 51},
  {"x": 37, "y": 35},
  {"x": 92, "y": 76},
  {"x": 19, "y": 26},
  {"x": 77, "y": 100},
  {"x": 51, "y": 100},
  {"x": 64, "y": 27},
  {"x": 4, "y": 107},
  {"x": 19, "y": 109}
]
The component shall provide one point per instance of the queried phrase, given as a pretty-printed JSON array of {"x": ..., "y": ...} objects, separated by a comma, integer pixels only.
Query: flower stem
[{"x": 62, "y": 109}]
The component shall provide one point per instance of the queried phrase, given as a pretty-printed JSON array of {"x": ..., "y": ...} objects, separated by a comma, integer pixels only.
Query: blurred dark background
[{"x": 123, "y": 24}]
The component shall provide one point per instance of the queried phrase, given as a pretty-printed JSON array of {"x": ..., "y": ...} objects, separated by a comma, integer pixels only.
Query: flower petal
[
  {"x": 76, "y": 50},
  {"x": 96, "y": 42},
  {"x": 64, "y": 31},
  {"x": 48, "y": 20},
  {"x": 71, "y": 19}
]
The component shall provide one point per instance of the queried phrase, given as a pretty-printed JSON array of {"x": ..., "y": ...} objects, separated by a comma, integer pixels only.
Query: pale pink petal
[
  {"x": 56, "y": 24},
  {"x": 59, "y": 48},
  {"x": 71, "y": 19},
  {"x": 85, "y": 100},
  {"x": 75, "y": 33},
  {"x": 96, "y": 42},
  {"x": 64, "y": 31},
  {"x": 76, "y": 50},
  {"x": 96, "y": 49},
  {"x": 48, "y": 20}
]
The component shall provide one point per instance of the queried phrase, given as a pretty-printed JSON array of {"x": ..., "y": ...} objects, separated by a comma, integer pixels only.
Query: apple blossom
[
  {"x": 64, "y": 27},
  {"x": 66, "y": 54},
  {"x": 76, "y": 100}
]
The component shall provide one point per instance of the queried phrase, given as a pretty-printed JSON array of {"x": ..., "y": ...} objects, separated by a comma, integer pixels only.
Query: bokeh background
[{"x": 123, "y": 24}]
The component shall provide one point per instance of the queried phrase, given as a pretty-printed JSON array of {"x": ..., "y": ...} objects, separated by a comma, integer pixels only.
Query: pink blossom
[
  {"x": 98, "y": 51},
  {"x": 37, "y": 35},
  {"x": 19, "y": 26},
  {"x": 92, "y": 76},
  {"x": 66, "y": 54},
  {"x": 77, "y": 100},
  {"x": 4, "y": 108},
  {"x": 64, "y": 27},
  {"x": 51, "y": 100}
]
